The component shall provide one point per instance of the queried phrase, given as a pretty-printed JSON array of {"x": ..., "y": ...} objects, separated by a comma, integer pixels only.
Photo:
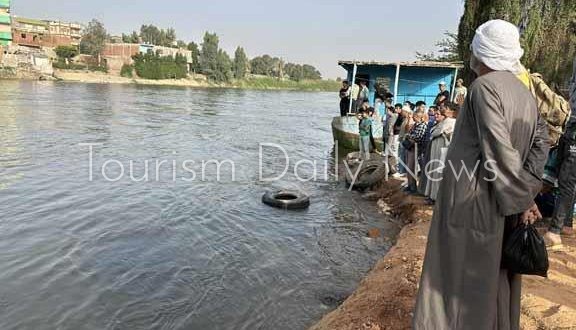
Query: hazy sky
[{"x": 318, "y": 32}]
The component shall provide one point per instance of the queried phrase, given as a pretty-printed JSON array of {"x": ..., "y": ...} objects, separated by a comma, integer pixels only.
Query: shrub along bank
[
  {"x": 154, "y": 66},
  {"x": 274, "y": 83}
]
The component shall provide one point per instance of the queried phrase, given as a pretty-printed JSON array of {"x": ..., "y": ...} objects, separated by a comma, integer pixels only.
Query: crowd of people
[
  {"x": 464, "y": 283},
  {"x": 415, "y": 136}
]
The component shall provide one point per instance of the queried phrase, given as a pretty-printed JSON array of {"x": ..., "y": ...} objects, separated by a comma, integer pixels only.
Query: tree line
[
  {"x": 548, "y": 30},
  {"x": 548, "y": 35},
  {"x": 207, "y": 58}
]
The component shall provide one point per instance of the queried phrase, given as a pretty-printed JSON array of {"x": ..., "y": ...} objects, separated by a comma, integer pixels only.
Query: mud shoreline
[
  {"x": 385, "y": 298},
  {"x": 195, "y": 81}
]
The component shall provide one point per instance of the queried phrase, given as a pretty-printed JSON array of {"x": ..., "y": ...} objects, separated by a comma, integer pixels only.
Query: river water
[{"x": 88, "y": 241}]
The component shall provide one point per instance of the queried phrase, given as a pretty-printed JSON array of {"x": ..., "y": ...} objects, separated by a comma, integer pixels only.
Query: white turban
[{"x": 497, "y": 45}]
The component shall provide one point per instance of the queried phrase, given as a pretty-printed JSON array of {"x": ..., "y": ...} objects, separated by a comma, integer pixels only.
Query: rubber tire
[
  {"x": 352, "y": 158},
  {"x": 299, "y": 202},
  {"x": 372, "y": 173}
]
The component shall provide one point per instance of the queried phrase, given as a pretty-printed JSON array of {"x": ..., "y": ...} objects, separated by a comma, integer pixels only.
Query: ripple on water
[{"x": 81, "y": 254}]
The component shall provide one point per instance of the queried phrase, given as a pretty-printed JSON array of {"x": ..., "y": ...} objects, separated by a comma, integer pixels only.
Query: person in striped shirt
[{"x": 417, "y": 140}]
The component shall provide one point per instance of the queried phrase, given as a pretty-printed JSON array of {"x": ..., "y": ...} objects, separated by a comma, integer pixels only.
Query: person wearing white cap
[
  {"x": 493, "y": 172},
  {"x": 443, "y": 96}
]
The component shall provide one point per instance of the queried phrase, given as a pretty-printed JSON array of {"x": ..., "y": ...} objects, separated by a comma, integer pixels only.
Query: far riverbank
[{"x": 261, "y": 83}]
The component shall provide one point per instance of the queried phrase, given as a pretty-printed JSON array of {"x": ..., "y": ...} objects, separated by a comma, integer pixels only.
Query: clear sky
[{"x": 318, "y": 32}]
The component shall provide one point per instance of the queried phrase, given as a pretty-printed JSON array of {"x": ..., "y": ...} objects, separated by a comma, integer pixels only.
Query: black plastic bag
[{"x": 524, "y": 252}]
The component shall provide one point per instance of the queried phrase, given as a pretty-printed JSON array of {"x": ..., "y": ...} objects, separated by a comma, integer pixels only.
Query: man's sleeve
[
  {"x": 538, "y": 155},
  {"x": 514, "y": 185}
]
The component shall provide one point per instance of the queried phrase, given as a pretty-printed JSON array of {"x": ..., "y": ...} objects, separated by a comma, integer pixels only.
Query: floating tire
[
  {"x": 286, "y": 199},
  {"x": 371, "y": 173}
]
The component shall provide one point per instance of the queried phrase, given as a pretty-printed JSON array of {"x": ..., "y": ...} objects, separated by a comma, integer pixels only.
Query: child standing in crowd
[{"x": 365, "y": 128}]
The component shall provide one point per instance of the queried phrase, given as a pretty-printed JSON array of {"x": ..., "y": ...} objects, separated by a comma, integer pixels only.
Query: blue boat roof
[
  {"x": 407, "y": 81},
  {"x": 420, "y": 64}
]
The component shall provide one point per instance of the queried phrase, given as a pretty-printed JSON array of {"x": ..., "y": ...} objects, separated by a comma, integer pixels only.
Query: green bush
[
  {"x": 274, "y": 83},
  {"x": 126, "y": 71},
  {"x": 99, "y": 68},
  {"x": 66, "y": 52},
  {"x": 60, "y": 64},
  {"x": 154, "y": 66}
]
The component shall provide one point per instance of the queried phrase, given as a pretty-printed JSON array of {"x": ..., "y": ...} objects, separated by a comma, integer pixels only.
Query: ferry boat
[{"x": 405, "y": 81}]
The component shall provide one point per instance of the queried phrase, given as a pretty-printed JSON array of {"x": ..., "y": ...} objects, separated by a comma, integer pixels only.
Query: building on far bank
[
  {"x": 45, "y": 33},
  {"x": 115, "y": 39},
  {"x": 28, "y": 32},
  {"x": 64, "y": 33},
  {"x": 5, "y": 23},
  {"x": 118, "y": 54}
]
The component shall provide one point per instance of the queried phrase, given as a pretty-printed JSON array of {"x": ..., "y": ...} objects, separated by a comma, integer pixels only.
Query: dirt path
[
  {"x": 103, "y": 78},
  {"x": 385, "y": 298}
]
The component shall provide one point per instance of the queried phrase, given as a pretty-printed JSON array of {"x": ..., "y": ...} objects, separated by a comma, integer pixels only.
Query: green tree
[
  {"x": 93, "y": 39},
  {"x": 266, "y": 65},
  {"x": 294, "y": 71},
  {"x": 275, "y": 67},
  {"x": 66, "y": 53},
  {"x": 223, "y": 72},
  {"x": 209, "y": 54},
  {"x": 169, "y": 38},
  {"x": 241, "y": 63},
  {"x": 150, "y": 34},
  {"x": 548, "y": 31},
  {"x": 153, "y": 35},
  {"x": 126, "y": 71},
  {"x": 447, "y": 50},
  {"x": 154, "y": 66},
  {"x": 132, "y": 38},
  {"x": 193, "y": 47},
  {"x": 181, "y": 44},
  {"x": 310, "y": 72}
]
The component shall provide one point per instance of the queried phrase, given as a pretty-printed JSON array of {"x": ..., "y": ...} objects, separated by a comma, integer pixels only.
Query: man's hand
[{"x": 531, "y": 215}]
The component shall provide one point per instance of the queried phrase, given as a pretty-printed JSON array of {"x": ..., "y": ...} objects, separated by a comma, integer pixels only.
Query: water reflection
[
  {"x": 167, "y": 254},
  {"x": 11, "y": 156}
]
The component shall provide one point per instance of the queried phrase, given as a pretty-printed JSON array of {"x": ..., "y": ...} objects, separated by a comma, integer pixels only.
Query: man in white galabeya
[{"x": 502, "y": 142}]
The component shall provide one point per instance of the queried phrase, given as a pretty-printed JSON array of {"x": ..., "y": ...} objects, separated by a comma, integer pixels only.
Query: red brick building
[
  {"x": 116, "y": 55},
  {"x": 37, "y": 33}
]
